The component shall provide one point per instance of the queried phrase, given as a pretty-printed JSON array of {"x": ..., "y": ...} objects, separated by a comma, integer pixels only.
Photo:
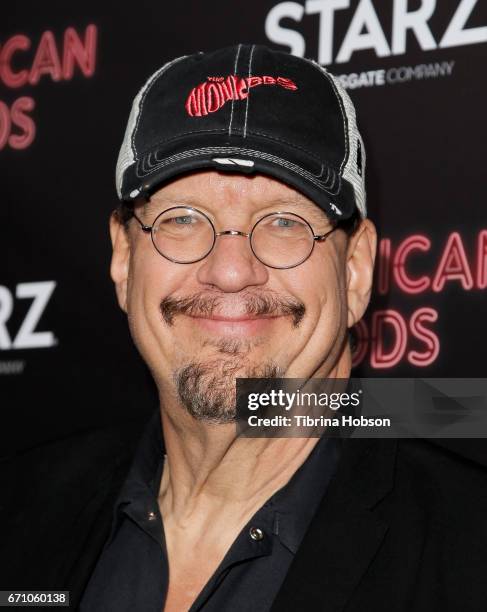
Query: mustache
[{"x": 204, "y": 305}]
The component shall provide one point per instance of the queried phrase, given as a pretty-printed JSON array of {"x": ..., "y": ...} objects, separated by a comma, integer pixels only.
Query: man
[
  {"x": 241, "y": 248},
  {"x": 234, "y": 162},
  {"x": 207, "y": 302}
]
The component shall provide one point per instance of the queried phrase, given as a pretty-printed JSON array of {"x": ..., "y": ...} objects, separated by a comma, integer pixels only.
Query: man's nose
[{"x": 231, "y": 266}]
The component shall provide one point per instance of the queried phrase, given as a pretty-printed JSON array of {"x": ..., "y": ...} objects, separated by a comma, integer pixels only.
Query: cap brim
[{"x": 322, "y": 184}]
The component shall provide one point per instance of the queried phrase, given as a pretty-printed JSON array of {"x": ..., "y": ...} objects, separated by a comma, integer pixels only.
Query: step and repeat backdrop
[{"x": 68, "y": 73}]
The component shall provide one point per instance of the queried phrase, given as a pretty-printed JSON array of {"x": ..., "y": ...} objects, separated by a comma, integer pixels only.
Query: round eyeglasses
[{"x": 184, "y": 235}]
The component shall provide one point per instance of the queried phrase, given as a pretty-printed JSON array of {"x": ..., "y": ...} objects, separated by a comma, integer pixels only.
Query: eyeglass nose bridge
[{"x": 232, "y": 233}]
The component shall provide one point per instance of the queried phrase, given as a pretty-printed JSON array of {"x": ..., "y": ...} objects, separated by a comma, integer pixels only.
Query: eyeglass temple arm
[
  {"x": 324, "y": 236},
  {"x": 145, "y": 228}
]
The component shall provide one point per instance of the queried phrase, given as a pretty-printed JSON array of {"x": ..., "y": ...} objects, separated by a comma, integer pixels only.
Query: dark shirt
[{"x": 132, "y": 571}]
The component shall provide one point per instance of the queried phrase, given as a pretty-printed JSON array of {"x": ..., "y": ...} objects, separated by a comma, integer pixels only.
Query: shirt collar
[
  {"x": 141, "y": 487},
  {"x": 296, "y": 503}
]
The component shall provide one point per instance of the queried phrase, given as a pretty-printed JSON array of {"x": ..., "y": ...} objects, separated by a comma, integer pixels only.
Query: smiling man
[
  {"x": 241, "y": 248},
  {"x": 241, "y": 306}
]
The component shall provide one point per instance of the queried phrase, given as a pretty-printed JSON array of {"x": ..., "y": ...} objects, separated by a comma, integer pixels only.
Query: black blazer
[{"x": 402, "y": 526}]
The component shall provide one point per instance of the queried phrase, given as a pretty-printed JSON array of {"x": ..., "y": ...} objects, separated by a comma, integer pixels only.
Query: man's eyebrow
[
  {"x": 309, "y": 208},
  {"x": 155, "y": 204}
]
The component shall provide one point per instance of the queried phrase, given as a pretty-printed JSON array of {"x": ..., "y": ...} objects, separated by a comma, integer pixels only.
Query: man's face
[{"x": 199, "y": 326}]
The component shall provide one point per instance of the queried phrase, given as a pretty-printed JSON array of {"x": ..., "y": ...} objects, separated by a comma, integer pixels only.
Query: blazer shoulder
[
  {"x": 74, "y": 465},
  {"x": 446, "y": 476},
  {"x": 56, "y": 502}
]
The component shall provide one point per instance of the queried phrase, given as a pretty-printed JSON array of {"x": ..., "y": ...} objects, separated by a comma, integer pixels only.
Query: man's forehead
[{"x": 211, "y": 187}]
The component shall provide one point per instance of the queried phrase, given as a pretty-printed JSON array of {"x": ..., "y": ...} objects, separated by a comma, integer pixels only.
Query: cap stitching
[
  {"x": 294, "y": 146},
  {"x": 248, "y": 94},
  {"x": 282, "y": 162},
  {"x": 250, "y": 132},
  {"x": 235, "y": 73},
  {"x": 293, "y": 167},
  {"x": 183, "y": 154}
]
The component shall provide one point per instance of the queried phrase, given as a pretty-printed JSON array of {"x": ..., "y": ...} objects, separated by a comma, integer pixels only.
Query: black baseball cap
[{"x": 246, "y": 108}]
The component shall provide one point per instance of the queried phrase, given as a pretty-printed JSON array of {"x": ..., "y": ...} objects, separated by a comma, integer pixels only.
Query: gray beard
[{"x": 207, "y": 390}]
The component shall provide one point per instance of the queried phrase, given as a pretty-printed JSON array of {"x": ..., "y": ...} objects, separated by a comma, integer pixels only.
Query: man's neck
[{"x": 210, "y": 471}]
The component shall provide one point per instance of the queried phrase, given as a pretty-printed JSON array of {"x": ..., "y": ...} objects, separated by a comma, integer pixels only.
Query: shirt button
[
  {"x": 151, "y": 516},
  {"x": 256, "y": 534}
]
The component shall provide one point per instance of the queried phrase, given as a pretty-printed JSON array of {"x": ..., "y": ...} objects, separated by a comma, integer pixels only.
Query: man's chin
[{"x": 207, "y": 389}]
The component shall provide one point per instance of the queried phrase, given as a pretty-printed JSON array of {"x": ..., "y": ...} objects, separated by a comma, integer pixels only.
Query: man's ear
[
  {"x": 119, "y": 268},
  {"x": 361, "y": 251}
]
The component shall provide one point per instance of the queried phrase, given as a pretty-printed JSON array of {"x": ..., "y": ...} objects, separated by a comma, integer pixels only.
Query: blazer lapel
[{"x": 345, "y": 533}]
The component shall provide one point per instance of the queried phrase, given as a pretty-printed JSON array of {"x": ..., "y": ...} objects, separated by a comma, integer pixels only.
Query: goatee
[{"x": 208, "y": 390}]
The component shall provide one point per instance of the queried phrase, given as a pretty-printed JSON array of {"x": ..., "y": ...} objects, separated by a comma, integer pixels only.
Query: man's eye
[
  {"x": 283, "y": 222},
  {"x": 183, "y": 220}
]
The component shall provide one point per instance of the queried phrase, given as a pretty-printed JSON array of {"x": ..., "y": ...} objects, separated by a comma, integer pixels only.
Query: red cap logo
[{"x": 210, "y": 96}]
